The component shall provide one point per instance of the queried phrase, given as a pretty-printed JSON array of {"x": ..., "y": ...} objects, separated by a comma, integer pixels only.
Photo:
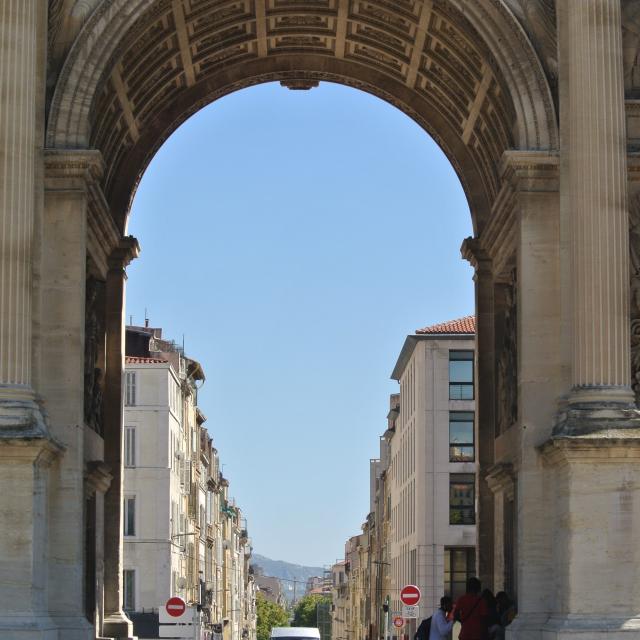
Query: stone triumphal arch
[{"x": 535, "y": 104}]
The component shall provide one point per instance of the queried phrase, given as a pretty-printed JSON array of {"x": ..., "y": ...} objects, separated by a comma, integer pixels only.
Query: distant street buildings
[
  {"x": 270, "y": 587},
  {"x": 421, "y": 525},
  {"x": 183, "y": 535}
]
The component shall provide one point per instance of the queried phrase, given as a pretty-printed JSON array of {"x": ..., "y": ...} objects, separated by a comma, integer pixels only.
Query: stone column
[
  {"x": 598, "y": 209},
  {"x": 26, "y": 448},
  {"x": 592, "y": 456},
  {"x": 485, "y": 402},
  {"x": 116, "y": 622},
  {"x": 19, "y": 412}
]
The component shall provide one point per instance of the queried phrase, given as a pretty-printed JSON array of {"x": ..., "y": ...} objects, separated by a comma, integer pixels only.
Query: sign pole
[
  {"x": 196, "y": 624},
  {"x": 387, "y": 631}
]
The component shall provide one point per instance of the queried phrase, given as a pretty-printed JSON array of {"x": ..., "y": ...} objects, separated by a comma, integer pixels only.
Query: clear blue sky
[{"x": 295, "y": 238}]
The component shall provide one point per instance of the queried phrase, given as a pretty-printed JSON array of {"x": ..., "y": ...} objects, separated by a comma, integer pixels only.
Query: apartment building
[
  {"x": 340, "y": 601},
  {"x": 182, "y": 534},
  {"x": 432, "y": 464}
]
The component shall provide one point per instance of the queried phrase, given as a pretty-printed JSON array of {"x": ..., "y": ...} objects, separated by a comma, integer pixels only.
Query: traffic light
[{"x": 385, "y": 607}]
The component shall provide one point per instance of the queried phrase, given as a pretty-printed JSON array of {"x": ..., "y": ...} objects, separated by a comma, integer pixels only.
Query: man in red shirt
[{"x": 472, "y": 612}]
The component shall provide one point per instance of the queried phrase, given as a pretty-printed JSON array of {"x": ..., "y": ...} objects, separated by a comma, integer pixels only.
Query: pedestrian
[
  {"x": 506, "y": 609},
  {"x": 472, "y": 612},
  {"x": 422, "y": 632},
  {"x": 493, "y": 619},
  {"x": 441, "y": 625}
]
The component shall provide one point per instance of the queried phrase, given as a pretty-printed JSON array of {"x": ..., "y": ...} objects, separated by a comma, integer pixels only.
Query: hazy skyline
[{"x": 295, "y": 239}]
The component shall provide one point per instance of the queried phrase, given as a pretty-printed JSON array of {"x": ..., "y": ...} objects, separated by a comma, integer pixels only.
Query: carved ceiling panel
[
  {"x": 426, "y": 46},
  {"x": 631, "y": 47}
]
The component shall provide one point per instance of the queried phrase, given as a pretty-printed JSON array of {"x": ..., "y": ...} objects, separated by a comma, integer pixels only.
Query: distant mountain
[{"x": 293, "y": 577}]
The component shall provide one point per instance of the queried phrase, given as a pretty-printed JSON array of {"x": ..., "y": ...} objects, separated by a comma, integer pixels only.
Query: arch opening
[{"x": 308, "y": 268}]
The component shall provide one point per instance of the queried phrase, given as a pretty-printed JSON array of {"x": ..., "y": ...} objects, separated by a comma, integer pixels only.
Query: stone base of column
[
  {"x": 30, "y": 627},
  {"x": 596, "y": 499},
  {"x": 24, "y": 463},
  {"x": 526, "y": 626},
  {"x": 45, "y": 627},
  {"x": 74, "y": 628},
  {"x": 591, "y": 628},
  {"x": 20, "y": 414},
  {"x": 117, "y": 625},
  {"x": 597, "y": 412}
]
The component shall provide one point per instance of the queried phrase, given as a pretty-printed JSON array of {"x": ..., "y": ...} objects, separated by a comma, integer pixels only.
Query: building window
[
  {"x": 461, "y": 375},
  {"x": 462, "y": 498},
  {"x": 129, "y": 446},
  {"x": 129, "y": 516},
  {"x": 461, "y": 440},
  {"x": 459, "y": 566},
  {"x": 129, "y": 590},
  {"x": 130, "y": 389}
]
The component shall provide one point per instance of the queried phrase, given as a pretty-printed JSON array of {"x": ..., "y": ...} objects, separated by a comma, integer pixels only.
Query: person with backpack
[
  {"x": 472, "y": 612},
  {"x": 438, "y": 626}
]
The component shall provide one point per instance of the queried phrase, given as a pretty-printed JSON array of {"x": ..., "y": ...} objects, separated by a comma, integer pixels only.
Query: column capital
[
  {"x": 98, "y": 477},
  {"x": 72, "y": 169},
  {"x": 474, "y": 253},
  {"x": 531, "y": 171},
  {"x": 127, "y": 250},
  {"x": 501, "y": 479},
  {"x": 633, "y": 168}
]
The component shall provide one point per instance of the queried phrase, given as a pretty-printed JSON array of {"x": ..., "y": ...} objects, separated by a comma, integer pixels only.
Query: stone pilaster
[
  {"x": 97, "y": 482},
  {"x": 500, "y": 480},
  {"x": 116, "y": 622},
  {"x": 485, "y": 403},
  {"x": 598, "y": 220},
  {"x": 533, "y": 180},
  {"x": 19, "y": 412},
  {"x": 69, "y": 177}
]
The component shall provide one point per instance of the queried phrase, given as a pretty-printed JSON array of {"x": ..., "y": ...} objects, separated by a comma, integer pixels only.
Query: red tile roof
[
  {"x": 136, "y": 360},
  {"x": 461, "y": 325}
]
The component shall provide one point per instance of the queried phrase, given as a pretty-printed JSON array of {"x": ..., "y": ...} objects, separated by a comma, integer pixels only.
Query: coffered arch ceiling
[{"x": 464, "y": 71}]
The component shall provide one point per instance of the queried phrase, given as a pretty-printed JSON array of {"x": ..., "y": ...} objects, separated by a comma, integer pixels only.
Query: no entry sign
[
  {"x": 410, "y": 595},
  {"x": 176, "y": 607}
]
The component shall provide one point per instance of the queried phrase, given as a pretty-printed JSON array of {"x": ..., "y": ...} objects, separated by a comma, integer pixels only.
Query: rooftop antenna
[
  {"x": 183, "y": 344},
  {"x": 131, "y": 319},
  {"x": 146, "y": 319}
]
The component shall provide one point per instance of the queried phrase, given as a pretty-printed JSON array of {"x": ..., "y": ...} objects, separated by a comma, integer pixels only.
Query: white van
[{"x": 295, "y": 633}]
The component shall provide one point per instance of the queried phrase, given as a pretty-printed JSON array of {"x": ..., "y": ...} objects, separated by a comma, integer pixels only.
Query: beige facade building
[
  {"x": 534, "y": 102},
  {"x": 181, "y": 535},
  {"x": 340, "y": 612}
]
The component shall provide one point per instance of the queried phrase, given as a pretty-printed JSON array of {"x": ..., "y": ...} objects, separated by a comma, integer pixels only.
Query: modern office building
[{"x": 432, "y": 467}]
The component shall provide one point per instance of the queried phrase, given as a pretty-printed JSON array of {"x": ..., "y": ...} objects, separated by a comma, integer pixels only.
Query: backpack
[{"x": 423, "y": 630}]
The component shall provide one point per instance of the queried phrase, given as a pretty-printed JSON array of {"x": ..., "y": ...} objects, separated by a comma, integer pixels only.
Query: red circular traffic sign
[
  {"x": 175, "y": 606},
  {"x": 410, "y": 595},
  {"x": 398, "y": 622}
]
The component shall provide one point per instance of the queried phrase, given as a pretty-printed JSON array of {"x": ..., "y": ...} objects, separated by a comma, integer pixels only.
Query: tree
[
  {"x": 270, "y": 615},
  {"x": 305, "y": 613}
]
